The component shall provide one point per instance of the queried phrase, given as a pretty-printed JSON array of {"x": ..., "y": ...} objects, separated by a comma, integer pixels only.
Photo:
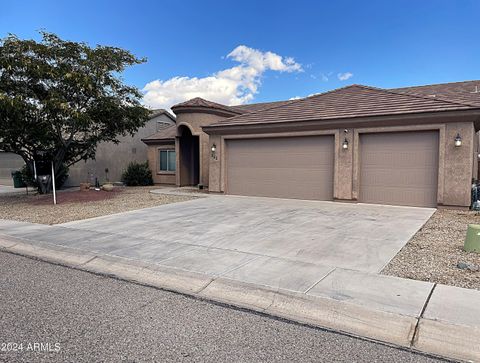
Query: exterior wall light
[
  {"x": 214, "y": 151},
  {"x": 458, "y": 141},
  {"x": 345, "y": 142}
]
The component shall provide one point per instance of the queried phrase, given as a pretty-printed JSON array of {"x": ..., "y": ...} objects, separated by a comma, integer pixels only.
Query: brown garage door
[
  {"x": 399, "y": 168},
  {"x": 293, "y": 167}
]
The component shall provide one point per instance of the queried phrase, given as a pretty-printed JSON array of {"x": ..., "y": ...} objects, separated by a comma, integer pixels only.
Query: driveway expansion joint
[
  {"x": 87, "y": 262},
  {"x": 239, "y": 266},
  {"x": 317, "y": 282},
  {"x": 420, "y": 317}
]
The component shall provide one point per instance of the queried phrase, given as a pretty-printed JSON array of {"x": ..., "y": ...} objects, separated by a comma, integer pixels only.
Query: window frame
[{"x": 159, "y": 164}]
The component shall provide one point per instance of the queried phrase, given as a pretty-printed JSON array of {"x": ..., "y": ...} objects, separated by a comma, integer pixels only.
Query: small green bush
[
  {"x": 28, "y": 178},
  {"x": 137, "y": 174}
]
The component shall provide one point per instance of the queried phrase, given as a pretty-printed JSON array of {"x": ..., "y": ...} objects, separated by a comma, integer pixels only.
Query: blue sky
[{"x": 188, "y": 43}]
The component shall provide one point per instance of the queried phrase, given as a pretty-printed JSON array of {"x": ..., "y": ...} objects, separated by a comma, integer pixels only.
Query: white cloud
[
  {"x": 326, "y": 76},
  {"x": 231, "y": 86},
  {"x": 344, "y": 76}
]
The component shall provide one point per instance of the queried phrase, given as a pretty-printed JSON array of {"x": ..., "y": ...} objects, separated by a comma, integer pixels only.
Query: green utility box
[
  {"x": 472, "y": 242},
  {"x": 18, "y": 179}
]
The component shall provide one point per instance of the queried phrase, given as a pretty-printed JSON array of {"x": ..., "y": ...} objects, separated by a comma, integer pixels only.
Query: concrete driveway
[
  {"x": 227, "y": 229},
  {"x": 290, "y": 244}
]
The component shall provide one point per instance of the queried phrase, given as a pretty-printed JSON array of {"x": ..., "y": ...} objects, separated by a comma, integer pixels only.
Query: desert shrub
[{"x": 137, "y": 174}]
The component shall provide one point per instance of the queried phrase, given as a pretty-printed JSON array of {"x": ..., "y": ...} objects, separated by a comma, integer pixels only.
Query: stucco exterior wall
[
  {"x": 159, "y": 177},
  {"x": 476, "y": 158},
  {"x": 343, "y": 187},
  {"x": 215, "y": 183},
  {"x": 457, "y": 165},
  {"x": 9, "y": 162},
  {"x": 195, "y": 121},
  {"x": 115, "y": 157}
]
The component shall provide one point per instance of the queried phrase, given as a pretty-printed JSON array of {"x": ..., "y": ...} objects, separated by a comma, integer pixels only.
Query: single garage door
[
  {"x": 290, "y": 167},
  {"x": 399, "y": 168}
]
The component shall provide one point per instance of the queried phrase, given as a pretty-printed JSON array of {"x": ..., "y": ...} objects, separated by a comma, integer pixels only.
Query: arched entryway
[{"x": 189, "y": 156}]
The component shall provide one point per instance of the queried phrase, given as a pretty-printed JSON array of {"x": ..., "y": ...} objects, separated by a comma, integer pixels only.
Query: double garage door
[{"x": 395, "y": 168}]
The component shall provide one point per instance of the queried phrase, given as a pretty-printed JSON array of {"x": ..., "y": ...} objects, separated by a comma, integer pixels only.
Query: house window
[{"x": 167, "y": 160}]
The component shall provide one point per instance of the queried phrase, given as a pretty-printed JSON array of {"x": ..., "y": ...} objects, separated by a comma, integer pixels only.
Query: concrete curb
[
  {"x": 429, "y": 335},
  {"x": 319, "y": 311}
]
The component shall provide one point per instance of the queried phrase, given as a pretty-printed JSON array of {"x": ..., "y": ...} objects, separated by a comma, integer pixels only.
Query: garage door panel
[
  {"x": 415, "y": 178},
  {"x": 278, "y": 160},
  {"x": 297, "y": 167},
  {"x": 423, "y": 158},
  {"x": 399, "y": 168},
  {"x": 411, "y": 197}
]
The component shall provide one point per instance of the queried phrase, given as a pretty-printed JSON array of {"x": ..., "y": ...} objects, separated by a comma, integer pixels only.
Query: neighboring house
[
  {"x": 116, "y": 157},
  {"x": 411, "y": 146},
  {"x": 9, "y": 162}
]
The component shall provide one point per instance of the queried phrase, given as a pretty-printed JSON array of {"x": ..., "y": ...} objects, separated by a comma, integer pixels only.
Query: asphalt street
[{"x": 55, "y": 314}]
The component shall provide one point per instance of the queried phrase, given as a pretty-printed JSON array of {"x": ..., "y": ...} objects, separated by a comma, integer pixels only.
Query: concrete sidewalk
[{"x": 432, "y": 318}]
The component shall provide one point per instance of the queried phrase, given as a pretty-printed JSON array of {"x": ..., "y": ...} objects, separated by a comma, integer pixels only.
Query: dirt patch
[
  {"x": 435, "y": 251},
  {"x": 76, "y": 205}
]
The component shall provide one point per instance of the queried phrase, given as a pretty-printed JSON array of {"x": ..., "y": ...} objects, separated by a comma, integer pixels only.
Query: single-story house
[{"x": 414, "y": 146}]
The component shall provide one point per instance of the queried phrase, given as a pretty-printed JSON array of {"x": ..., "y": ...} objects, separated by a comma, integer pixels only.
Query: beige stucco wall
[
  {"x": 215, "y": 182},
  {"x": 343, "y": 185},
  {"x": 115, "y": 157},
  {"x": 159, "y": 177},
  {"x": 457, "y": 165},
  {"x": 195, "y": 121}
]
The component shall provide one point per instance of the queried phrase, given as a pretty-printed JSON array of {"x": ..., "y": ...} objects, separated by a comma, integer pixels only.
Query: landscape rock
[
  {"x": 467, "y": 266},
  {"x": 435, "y": 251}
]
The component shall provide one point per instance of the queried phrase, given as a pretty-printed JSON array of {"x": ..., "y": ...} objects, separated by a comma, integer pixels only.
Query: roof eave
[
  {"x": 469, "y": 115},
  {"x": 201, "y": 109},
  {"x": 158, "y": 141}
]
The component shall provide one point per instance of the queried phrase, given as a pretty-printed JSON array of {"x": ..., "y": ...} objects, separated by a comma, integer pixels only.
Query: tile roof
[
  {"x": 202, "y": 103},
  {"x": 464, "y": 92},
  {"x": 253, "y": 107},
  {"x": 347, "y": 102},
  {"x": 167, "y": 133},
  {"x": 238, "y": 109}
]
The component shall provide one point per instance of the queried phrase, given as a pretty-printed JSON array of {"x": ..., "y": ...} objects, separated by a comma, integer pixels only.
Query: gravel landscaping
[
  {"x": 75, "y": 205},
  {"x": 436, "y": 252}
]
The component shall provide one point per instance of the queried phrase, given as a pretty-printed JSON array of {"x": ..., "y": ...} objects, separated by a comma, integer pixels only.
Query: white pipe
[{"x": 53, "y": 184}]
